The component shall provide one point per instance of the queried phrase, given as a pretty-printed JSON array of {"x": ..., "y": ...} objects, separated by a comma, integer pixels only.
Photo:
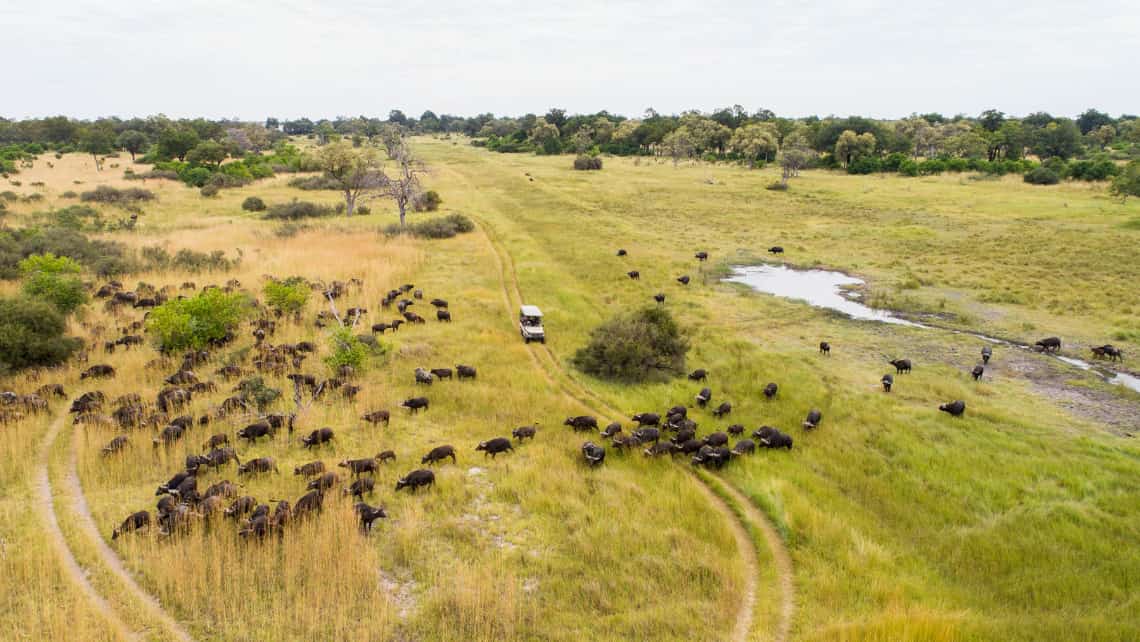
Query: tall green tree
[
  {"x": 357, "y": 173},
  {"x": 176, "y": 142},
  {"x": 97, "y": 142},
  {"x": 133, "y": 141}
]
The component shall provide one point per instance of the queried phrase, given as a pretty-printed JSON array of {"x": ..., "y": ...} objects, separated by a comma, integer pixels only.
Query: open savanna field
[{"x": 891, "y": 521}]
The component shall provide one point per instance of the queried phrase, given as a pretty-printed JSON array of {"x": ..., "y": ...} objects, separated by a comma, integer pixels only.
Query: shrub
[
  {"x": 1093, "y": 170},
  {"x": 73, "y": 217},
  {"x": 32, "y": 334},
  {"x": 105, "y": 258},
  {"x": 1042, "y": 176},
  {"x": 777, "y": 186},
  {"x": 436, "y": 228},
  {"x": 197, "y": 321},
  {"x": 362, "y": 210},
  {"x": 209, "y": 191},
  {"x": 289, "y": 230},
  {"x": 346, "y": 349},
  {"x": 255, "y": 392},
  {"x": 288, "y": 296},
  {"x": 314, "y": 183},
  {"x": 428, "y": 201},
  {"x": 584, "y": 162},
  {"x": 9, "y": 195},
  {"x": 154, "y": 173},
  {"x": 253, "y": 204},
  {"x": 864, "y": 165},
  {"x": 640, "y": 346},
  {"x": 69, "y": 194},
  {"x": 908, "y": 168},
  {"x": 113, "y": 196},
  {"x": 297, "y": 210},
  {"x": 893, "y": 161}
]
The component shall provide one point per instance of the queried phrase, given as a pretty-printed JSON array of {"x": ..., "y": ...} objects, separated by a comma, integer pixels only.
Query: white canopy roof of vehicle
[{"x": 530, "y": 311}]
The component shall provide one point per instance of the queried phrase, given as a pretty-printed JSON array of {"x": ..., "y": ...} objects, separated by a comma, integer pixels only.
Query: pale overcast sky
[{"x": 292, "y": 58}]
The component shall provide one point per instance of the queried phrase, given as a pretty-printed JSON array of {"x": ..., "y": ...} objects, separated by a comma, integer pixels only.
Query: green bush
[
  {"x": 253, "y": 204},
  {"x": 209, "y": 191},
  {"x": 54, "y": 279},
  {"x": 908, "y": 168},
  {"x": 113, "y": 196},
  {"x": 256, "y": 392},
  {"x": 73, "y": 217},
  {"x": 436, "y": 228},
  {"x": 196, "y": 321},
  {"x": 297, "y": 210},
  {"x": 646, "y": 345},
  {"x": 346, "y": 349},
  {"x": 586, "y": 162},
  {"x": 105, "y": 258},
  {"x": 32, "y": 334},
  {"x": 314, "y": 183},
  {"x": 1042, "y": 176},
  {"x": 864, "y": 165},
  {"x": 288, "y": 296},
  {"x": 428, "y": 201}
]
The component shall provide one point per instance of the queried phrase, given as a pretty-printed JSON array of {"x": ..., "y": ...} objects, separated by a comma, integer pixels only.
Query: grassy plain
[{"x": 1017, "y": 522}]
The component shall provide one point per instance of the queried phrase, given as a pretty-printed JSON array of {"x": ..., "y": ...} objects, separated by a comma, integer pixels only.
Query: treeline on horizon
[{"x": 991, "y": 142}]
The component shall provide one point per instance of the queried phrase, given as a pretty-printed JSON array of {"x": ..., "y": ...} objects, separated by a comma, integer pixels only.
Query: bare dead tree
[{"x": 403, "y": 185}]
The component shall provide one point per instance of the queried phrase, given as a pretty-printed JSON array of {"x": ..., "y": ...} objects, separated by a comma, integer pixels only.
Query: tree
[
  {"x": 195, "y": 322},
  {"x": 1060, "y": 139},
  {"x": 403, "y": 185},
  {"x": 1102, "y": 135},
  {"x": 1127, "y": 183},
  {"x": 356, "y": 172},
  {"x": 288, "y": 296},
  {"x": 556, "y": 117},
  {"x": 398, "y": 117},
  {"x": 679, "y": 144},
  {"x": 991, "y": 120},
  {"x": 207, "y": 153},
  {"x": 392, "y": 136},
  {"x": 754, "y": 142},
  {"x": 97, "y": 141},
  {"x": 176, "y": 142},
  {"x": 640, "y": 346},
  {"x": 851, "y": 146},
  {"x": 32, "y": 334},
  {"x": 133, "y": 141},
  {"x": 795, "y": 156},
  {"x": 543, "y": 132},
  {"x": 1092, "y": 120},
  {"x": 54, "y": 279}
]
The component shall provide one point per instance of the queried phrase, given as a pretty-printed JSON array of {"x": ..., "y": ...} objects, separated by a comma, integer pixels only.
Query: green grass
[{"x": 1016, "y": 522}]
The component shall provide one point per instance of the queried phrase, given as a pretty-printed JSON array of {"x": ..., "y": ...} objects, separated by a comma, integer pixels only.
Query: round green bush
[
  {"x": 1042, "y": 176},
  {"x": 209, "y": 191},
  {"x": 253, "y": 204}
]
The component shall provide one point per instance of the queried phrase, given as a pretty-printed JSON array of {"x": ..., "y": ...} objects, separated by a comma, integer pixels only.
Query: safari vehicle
[{"x": 530, "y": 324}]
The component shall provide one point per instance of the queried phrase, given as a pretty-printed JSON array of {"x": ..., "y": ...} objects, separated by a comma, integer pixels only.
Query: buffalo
[
  {"x": 902, "y": 366},
  {"x": 367, "y": 515},
  {"x": 98, "y": 372},
  {"x": 744, "y": 447},
  {"x": 593, "y": 453},
  {"x": 954, "y": 408},
  {"x": 417, "y": 478},
  {"x": 310, "y": 469},
  {"x": 700, "y": 374},
  {"x": 770, "y": 390},
  {"x": 133, "y": 522},
  {"x": 360, "y": 487},
  {"x": 776, "y": 249},
  {"x": 324, "y": 482},
  {"x": 581, "y": 423},
  {"x": 443, "y": 315},
  {"x": 824, "y": 348},
  {"x": 646, "y": 435},
  {"x": 523, "y": 432},
  {"x": 647, "y": 419},
  {"x": 701, "y": 256},
  {"x": 259, "y": 465},
  {"x": 464, "y": 372},
  {"x": 360, "y": 466},
  {"x": 987, "y": 352},
  {"x": 812, "y": 420},
  {"x": 659, "y": 298},
  {"x": 683, "y": 279},
  {"x": 633, "y": 274},
  {"x": 703, "y": 397},
  {"x": 722, "y": 410},
  {"x": 1049, "y": 344},
  {"x": 494, "y": 446},
  {"x": 317, "y": 437},
  {"x": 441, "y": 373},
  {"x": 439, "y": 453},
  {"x": 415, "y": 404},
  {"x": 377, "y": 416},
  {"x": 769, "y": 437},
  {"x": 888, "y": 380},
  {"x": 976, "y": 373}
]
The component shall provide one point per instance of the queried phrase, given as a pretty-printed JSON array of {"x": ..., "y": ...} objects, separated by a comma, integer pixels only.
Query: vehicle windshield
[{"x": 531, "y": 321}]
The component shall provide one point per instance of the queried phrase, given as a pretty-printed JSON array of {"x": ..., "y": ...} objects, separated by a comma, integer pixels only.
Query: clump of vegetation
[
  {"x": 289, "y": 230},
  {"x": 428, "y": 201},
  {"x": 32, "y": 334},
  {"x": 73, "y": 217},
  {"x": 197, "y": 321},
  {"x": 1042, "y": 176},
  {"x": 130, "y": 196},
  {"x": 288, "y": 296},
  {"x": 54, "y": 279},
  {"x": 777, "y": 186},
  {"x": 105, "y": 258},
  {"x": 188, "y": 260},
  {"x": 346, "y": 349},
  {"x": 436, "y": 228},
  {"x": 647, "y": 345},
  {"x": 1128, "y": 182},
  {"x": 253, "y": 204},
  {"x": 209, "y": 190},
  {"x": 131, "y": 175},
  {"x": 586, "y": 162},
  {"x": 318, "y": 182},
  {"x": 257, "y": 393},
  {"x": 297, "y": 210}
]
